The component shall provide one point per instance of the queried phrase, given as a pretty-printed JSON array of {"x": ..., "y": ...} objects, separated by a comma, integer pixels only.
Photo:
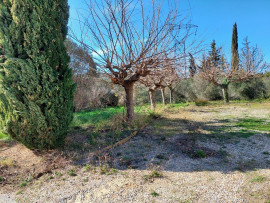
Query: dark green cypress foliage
[
  {"x": 235, "y": 54},
  {"x": 214, "y": 55},
  {"x": 36, "y": 87}
]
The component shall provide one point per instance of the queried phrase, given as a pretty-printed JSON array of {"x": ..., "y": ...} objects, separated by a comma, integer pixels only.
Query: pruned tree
[
  {"x": 127, "y": 39},
  {"x": 159, "y": 79},
  {"x": 222, "y": 73}
]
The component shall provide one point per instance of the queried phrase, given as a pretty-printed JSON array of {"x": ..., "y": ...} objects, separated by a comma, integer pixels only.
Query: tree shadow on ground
[
  {"x": 176, "y": 145},
  {"x": 187, "y": 146}
]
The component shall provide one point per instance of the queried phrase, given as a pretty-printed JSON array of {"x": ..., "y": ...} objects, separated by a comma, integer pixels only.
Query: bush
[
  {"x": 36, "y": 87},
  {"x": 193, "y": 88},
  {"x": 252, "y": 89},
  {"x": 109, "y": 99},
  {"x": 201, "y": 102}
]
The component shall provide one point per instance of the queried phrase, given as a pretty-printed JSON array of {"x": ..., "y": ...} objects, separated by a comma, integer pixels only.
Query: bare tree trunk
[
  {"x": 152, "y": 99},
  {"x": 171, "y": 94},
  {"x": 163, "y": 95},
  {"x": 129, "y": 89},
  {"x": 225, "y": 93}
]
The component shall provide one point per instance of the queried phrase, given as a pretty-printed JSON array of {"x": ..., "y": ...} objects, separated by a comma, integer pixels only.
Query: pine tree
[
  {"x": 235, "y": 54},
  {"x": 36, "y": 87}
]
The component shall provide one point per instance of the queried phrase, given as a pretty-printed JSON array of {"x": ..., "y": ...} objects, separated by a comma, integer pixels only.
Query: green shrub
[
  {"x": 36, "y": 87},
  {"x": 109, "y": 99}
]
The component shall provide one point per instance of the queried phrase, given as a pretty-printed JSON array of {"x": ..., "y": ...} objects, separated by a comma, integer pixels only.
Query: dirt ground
[{"x": 190, "y": 154}]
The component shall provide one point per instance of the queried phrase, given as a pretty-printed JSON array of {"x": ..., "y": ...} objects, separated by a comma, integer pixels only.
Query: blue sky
[{"x": 215, "y": 19}]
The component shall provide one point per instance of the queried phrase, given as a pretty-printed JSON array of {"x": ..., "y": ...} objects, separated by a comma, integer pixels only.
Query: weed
[
  {"x": 51, "y": 177},
  {"x": 154, "y": 194},
  {"x": 85, "y": 180},
  {"x": 156, "y": 174},
  {"x": 71, "y": 172},
  {"x": 87, "y": 167},
  {"x": 107, "y": 171},
  {"x": 199, "y": 154},
  {"x": 266, "y": 153},
  {"x": 58, "y": 173},
  {"x": 146, "y": 177},
  {"x": 23, "y": 183},
  {"x": 258, "y": 179},
  {"x": 1, "y": 179}
]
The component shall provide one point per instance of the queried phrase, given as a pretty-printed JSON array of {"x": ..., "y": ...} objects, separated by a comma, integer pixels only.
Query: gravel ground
[{"x": 233, "y": 170}]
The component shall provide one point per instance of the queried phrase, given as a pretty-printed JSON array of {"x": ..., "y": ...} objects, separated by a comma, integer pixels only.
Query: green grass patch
[
  {"x": 259, "y": 179},
  {"x": 242, "y": 133},
  {"x": 4, "y": 136},
  {"x": 254, "y": 124},
  {"x": 178, "y": 105},
  {"x": 103, "y": 116},
  {"x": 106, "y": 126},
  {"x": 91, "y": 118}
]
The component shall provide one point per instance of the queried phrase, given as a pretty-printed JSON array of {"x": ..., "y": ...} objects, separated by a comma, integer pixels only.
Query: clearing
[{"x": 212, "y": 153}]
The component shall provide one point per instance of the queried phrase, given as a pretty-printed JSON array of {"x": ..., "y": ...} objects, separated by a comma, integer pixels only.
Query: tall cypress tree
[
  {"x": 36, "y": 87},
  {"x": 214, "y": 55},
  {"x": 235, "y": 54}
]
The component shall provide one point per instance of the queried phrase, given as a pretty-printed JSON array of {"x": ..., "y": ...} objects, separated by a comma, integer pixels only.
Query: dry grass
[
  {"x": 230, "y": 165},
  {"x": 6, "y": 162}
]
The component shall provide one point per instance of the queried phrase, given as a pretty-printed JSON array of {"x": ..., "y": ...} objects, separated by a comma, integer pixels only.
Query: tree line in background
[
  {"x": 210, "y": 77},
  {"x": 124, "y": 48}
]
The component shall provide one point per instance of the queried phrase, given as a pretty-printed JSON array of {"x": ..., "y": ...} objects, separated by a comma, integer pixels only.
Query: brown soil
[{"x": 22, "y": 164}]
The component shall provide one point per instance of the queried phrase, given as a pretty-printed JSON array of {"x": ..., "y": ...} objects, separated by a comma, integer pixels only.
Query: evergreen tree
[
  {"x": 235, "y": 54},
  {"x": 214, "y": 55},
  {"x": 36, "y": 87}
]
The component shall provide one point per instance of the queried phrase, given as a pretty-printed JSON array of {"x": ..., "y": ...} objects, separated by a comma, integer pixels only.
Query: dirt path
[{"x": 191, "y": 154}]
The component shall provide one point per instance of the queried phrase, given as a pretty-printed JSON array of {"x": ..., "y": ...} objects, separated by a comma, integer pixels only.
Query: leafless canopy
[
  {"x": 251, "y": 64},
  {"x": 160, "y": 77},
  {"x": 129, "y": 37}
]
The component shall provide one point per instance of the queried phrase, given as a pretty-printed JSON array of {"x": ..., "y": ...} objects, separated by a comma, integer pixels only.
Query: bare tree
[
  {"x": 159, "y": 79},
  {"x": 222, "y": 74},
  {"x": 127, "y": 38}
]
